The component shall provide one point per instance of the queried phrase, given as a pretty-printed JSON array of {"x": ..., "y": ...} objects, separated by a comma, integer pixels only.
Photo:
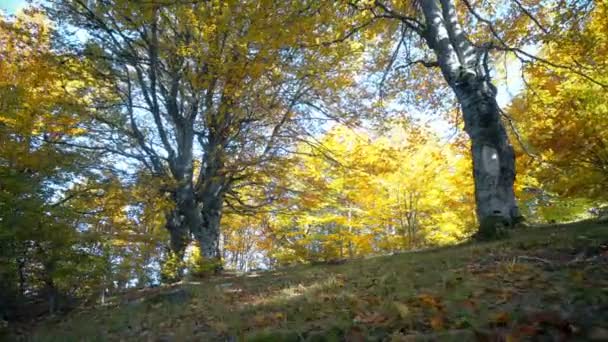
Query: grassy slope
[{"x": 547, "y": 283}]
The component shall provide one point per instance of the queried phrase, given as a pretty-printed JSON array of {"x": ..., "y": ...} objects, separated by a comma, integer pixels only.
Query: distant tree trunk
[
  {"x": 466, "y": 71},
  {"x": 21, "y": 263},
  {"x": 50, "y": 289},
  {"x": 350, "y": 234}
]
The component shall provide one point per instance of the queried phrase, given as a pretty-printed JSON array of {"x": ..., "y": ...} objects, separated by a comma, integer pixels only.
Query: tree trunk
[
  {"x": 211, "y": 196},
  {"x": 182, "y": 222},
  {"x": 493, "y": 157},
  {"x": 178, "y": 232},
  {"x": 21, "y": 263},
  {"x": 50, "y": 289},
  {"x": 465, "y": 69},
  {"x": 209, "y": 236},
  {"x": 199, "y": 216}
]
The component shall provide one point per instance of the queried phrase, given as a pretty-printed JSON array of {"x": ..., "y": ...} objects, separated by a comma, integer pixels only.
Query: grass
[{"x": 541, "y": 283}]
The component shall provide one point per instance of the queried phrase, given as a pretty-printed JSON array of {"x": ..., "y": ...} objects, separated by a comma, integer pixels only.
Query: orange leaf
[
  {"x": 430, "y": 301},
  {"x": 469, "y": 304},
  {"x": 501, "y": 318},
  {"x": 437, "y": 322}
]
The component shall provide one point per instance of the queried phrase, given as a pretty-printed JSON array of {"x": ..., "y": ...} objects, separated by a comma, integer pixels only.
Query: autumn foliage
[{"x": 144, "y": 143}]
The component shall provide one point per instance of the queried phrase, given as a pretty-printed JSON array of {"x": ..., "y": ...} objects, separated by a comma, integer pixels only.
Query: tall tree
[
  {"x": 203, "y": 93},
  {"x": 464, "y": 67},
  {"x": 459, "y": 39}
]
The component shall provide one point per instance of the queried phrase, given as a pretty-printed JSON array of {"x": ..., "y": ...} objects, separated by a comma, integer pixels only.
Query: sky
[{"x": 12, "y": 6}]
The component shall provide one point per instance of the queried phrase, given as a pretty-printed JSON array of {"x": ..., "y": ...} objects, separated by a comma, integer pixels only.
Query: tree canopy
[{"x": 142, "y": 142}]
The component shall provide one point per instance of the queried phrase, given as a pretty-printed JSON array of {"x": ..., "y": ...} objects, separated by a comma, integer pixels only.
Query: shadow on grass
[{"x": 455, "y": 289}]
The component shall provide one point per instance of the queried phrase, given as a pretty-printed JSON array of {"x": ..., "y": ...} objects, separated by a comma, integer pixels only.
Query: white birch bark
[{"x": 462, "y": 66}]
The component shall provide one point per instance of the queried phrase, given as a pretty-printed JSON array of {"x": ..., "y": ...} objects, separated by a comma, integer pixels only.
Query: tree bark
[
  {"x": 465, "y": 69},
  {"x": 198, "y": 209},
  {"x": 213, "y": 187},
  {"x": 493, "y": 157},
  {"x": 209, "y": 237},
  {"x": 178, "y": 232}
]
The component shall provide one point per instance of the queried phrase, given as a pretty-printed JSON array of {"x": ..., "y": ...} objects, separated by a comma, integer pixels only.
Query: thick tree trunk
[
  {"x": 465, "y": 69},
  {"x": 211, "y": 197},
  {"x": 209, "y": 235},
  {"x": 493, "y": 157},
  {"x": 178, "y": 232},
  {"x": 184, "y": 221},
  {"x": 199, "y": 217}
]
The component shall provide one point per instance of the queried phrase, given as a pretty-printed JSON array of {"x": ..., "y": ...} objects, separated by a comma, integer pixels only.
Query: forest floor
[{"x": 543, "y": 283}]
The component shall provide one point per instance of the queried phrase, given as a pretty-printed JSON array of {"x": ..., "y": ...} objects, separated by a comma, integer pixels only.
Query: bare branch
[
  {"x": 531, "y": 16},
  {"x": 389, "y": 66},
  {"x": 428, "y": 64},
  {"x": 410, "y": 22},
  {"x": 503, "y": 46},
  {"x": 516, "y": 133}
]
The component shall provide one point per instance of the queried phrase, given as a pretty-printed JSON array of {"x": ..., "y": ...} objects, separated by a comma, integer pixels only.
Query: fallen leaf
[
  {"x": 372, "y": 318},
  {"x": 404, "y": 310},
  {"x": 469, "y": 304},
  {"x": 430, "y": 301},
  {"x": 501, "y": 318},
  {"x": 437, "y": 322}
]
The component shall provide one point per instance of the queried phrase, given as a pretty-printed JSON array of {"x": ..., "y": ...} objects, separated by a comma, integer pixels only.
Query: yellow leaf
[{"x": 404, "y": 310}]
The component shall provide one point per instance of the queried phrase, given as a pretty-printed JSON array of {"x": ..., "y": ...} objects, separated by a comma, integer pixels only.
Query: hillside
[{"x": 548, "y": 283}]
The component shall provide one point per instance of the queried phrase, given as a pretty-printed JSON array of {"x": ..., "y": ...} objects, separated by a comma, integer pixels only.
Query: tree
[
  {"x": 244, "y": 241},
  {"x": 459, "y": 40},
  {"x": 126, "y": 220},
  {"x": 204, "y": 94},
  {"x": 42, "y": 99},
  {"x": 369, "y": 195},
  {"x": 428, "y": 198},
  {"x": 464, "y": 66},
  {"x": 562, "y": 116}
]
